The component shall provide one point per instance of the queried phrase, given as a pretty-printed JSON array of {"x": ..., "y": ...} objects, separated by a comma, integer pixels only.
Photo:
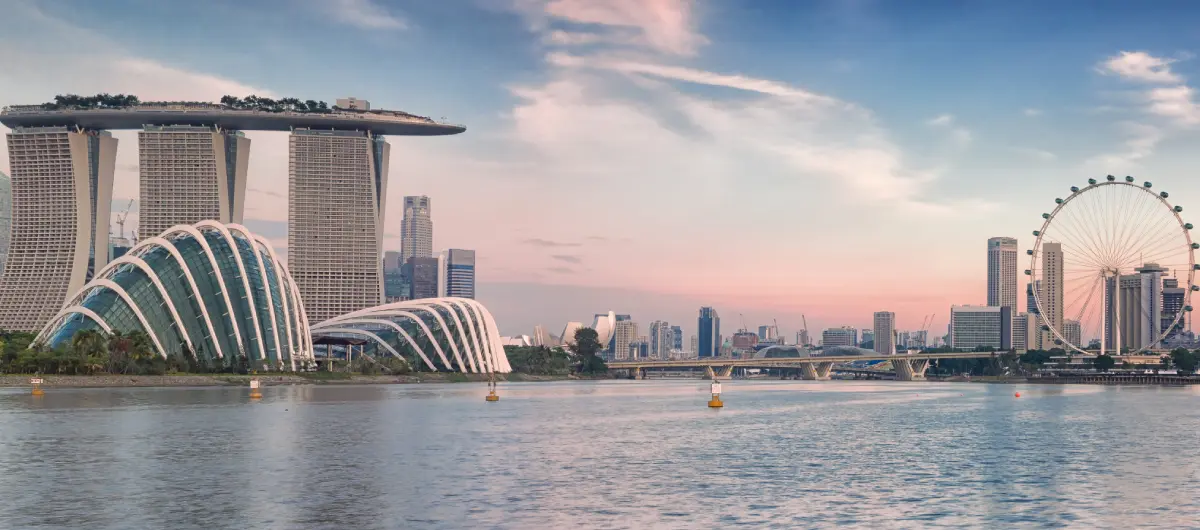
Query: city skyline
[{"x": 685, "y": 81}]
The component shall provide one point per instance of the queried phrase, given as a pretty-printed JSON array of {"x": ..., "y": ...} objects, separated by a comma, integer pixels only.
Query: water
[{"x": 615, "y": 454}]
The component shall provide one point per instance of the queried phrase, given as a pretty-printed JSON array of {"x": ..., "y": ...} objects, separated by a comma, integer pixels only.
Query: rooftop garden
[{"x": 248, "y": 103}]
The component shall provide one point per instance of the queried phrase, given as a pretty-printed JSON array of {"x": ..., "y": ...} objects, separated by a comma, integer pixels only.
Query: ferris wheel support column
[
  {"x": 1103, "y": 311},
  {"x": 1117, "y": 310}
]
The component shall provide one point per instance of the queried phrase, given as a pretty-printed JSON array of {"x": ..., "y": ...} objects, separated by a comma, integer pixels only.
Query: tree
[
  {"x": 1185, "y": 361},
  {"x": 1103, "y": 362},
  {"x": 587, "y": 347}
]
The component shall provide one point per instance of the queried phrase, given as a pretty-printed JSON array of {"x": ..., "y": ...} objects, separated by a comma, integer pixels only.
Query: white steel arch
[
  {"x": 398, "y": 312},
  {"x": 170, "y": 247},
  {"x": 414, "y": 305},
  {"x": 393, "y": 325},
  {"x": 262, "y": 347},
  {"x": 75, "y": 309},
  {"x": 212, "y": 260},
  {"x": 484, "y": 364},
  {"x": 141, "y": 264},
  {"x": 137, "y": 311},
  {"x": 283, "y": 297},
  {"x": 262, "y": 271},
  {"x": 369, "y": 334}
]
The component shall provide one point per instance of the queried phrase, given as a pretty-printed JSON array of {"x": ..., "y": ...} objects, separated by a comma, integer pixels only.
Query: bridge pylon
[
  {"x": 726, "y": 372},
  {"x": 910, "y": 369},
  {"x": 816, "y": 371}
]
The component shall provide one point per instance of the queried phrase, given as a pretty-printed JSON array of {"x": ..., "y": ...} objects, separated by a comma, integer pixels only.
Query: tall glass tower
[
  {"x": 709, "y": 326},
  {"x": 416, "y": 232}
]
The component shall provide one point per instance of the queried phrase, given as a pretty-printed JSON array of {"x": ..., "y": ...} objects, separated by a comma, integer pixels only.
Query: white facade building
[
  {"x": 1002, "y": 272},
  {"x": 624, "y": 333},
  {"x": 190, "y": 174},
  {"x": 5, "y": 217},
  {"x": 1020, "y": 332},
  {"x": 661, "y": 340},
  {"x": 61, "y": 202},
  {"x": 975, "y": 326},
  {"x": 843, "y": 336},
  {"x": 1051, "y": 291},
  {"x": 338, "y": 187}
]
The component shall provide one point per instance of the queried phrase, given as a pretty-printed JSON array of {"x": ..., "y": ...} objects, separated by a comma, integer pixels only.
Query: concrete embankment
[{"x": 319, "y": 378}]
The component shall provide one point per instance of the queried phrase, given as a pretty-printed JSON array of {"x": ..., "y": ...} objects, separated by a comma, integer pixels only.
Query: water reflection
[{"x": 613, "y": 454}]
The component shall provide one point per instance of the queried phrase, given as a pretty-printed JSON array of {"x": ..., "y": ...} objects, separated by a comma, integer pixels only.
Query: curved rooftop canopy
[
  {"x": 433, "y": 334},
  {"x": 383, "y": 122},
  {"x": 210, "y": 291}
]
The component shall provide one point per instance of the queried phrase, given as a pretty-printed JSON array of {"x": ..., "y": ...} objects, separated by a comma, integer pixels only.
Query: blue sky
[{"x": 830, "y": 158}]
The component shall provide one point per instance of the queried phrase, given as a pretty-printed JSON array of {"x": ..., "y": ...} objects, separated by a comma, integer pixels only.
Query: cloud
[
  {"x": 362, "y": 14},
  {"x": 1140, "y": 66},
  {"x": 1176, "y": 103},
  {"x": 1140, "y": 141},
  {"x": 960, "y": 135},
  {"x": 567, "y": 258},
  {"x": 1032, "y": 113},
  {"x": 665, "y": 26},
  {"x": 942, "y": 120},
  {"x": 561, "y": 270},
  {"x": 1036, "y": 154},
  {"x": 546, "y": 243}
]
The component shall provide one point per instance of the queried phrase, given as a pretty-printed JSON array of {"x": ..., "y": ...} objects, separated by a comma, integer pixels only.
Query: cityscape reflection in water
[{"x": 611, "y": 454}]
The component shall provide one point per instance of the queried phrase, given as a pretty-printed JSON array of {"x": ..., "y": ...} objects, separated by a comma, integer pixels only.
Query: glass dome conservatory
[{"x": 210, "y": 290}]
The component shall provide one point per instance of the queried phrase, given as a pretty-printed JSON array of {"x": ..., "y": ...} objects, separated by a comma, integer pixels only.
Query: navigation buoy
[
  {"x": 37, "y": 386},
  {"x": 254, "y": 392},
  {"x": 1018, "y": 394},
  {"x": 715, "y": 402},
  {"x": 492, "y": 388}
]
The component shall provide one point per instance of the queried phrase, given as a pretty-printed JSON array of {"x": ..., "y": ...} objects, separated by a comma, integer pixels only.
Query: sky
[{"x": 771, "y": 159}]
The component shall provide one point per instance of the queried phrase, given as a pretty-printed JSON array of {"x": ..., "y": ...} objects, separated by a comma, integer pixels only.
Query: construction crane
[
  {"x": 806, "y": 335},
  {"x": 121, "y": 220},
  {"x": 744, "y": 328}
]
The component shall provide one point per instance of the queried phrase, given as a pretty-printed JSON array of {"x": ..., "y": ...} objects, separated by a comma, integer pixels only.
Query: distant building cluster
[{"x": 414, "y": 272}]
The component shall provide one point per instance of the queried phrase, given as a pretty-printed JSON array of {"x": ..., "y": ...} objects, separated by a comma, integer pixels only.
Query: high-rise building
[
  {"x": 336, "y": 202},
  {"x": 422, "y": 275},
  {"x": 1020, "y": 333},
  {"x": 1073, "y": 332},
  {"x": 744, "y": 341},
  {"x": 918, "y": 339},
  {"x": 767, "y": 333},
  {"x": 456, "y": 273},
  {"x": 1172, "y": 296},
  {"x": 1051, "y": 292},
  {"x": 1002, "y": 272},
  {"x": 802, "y": 338},
  {"x": 1138, "y": 308},
  {"x": 885, "y": 329},
  {"x": 5, "y": 217},
  {"x": 190, "y": 174},
  {"x": 661, "y": 339},
  {"x": 1030, "y": 302},
  {"x": 416, "y": 232},
  {"x": 61, "y": 204},
  {"x": 709, "y": 330},
  {"x": 868, "y": 338},
  {"x": 677, "y": 338},
  {"x": 624, "y": 333},
  {"x": 975, "y": 326},
  {"x": 395, "y": 285},
  {"x": 843, "y": 336},
  {"x": 392, "y": 261},
  {"x": 694, "y": 345}
]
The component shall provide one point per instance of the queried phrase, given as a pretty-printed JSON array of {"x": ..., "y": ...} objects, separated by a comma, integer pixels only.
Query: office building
[
  {"x": 1020, "y": 332},
  {"x": 867, "y": 339},
  {"x": 416, "y": 232},
  {"x": 188, "y": 174},
  {"x": 709, "y": 330},
  {"x": 744, "y": 341},
  {"x": 767, "y": 334},
  {"x": 1073, "y": 331},
  {"x": 640, "y": 349},
  {"x": 1138, "y": 308},
  {"x": 5, "y": 217},
  {"x": 456, "y": 273},
  {"x": 422, "y": 275},
  {"x": 1051, "y": 293},
  {"x": 802, "y": 338},
  {"x": 392, "y": 260},
  {"x": 918, "y": 339},
  {"x": 61, "y": 186},
  {"x": 677, "y": 338},
  {"x": 337, "y": 190},
  {"x": 624, "y": 333},
  {"x": 885, "y": 332},
  {"x": 661, "y": 339},
  {"x": 1172, "y": 296},
  {"x": 843, "y": 336},
  {"x": 972, "y": 327},
  {"x": 1002, "y": 272},
  {"x": 693, "y": 346}
]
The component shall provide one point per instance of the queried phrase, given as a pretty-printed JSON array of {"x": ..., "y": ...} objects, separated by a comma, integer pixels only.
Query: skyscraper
[
  {"x": 624, "y": 333},
  {"x": 767, "y": 333},
  {"x": 416, "y": 232},
  {"x": 885, "y": 328},
  {"x": 337, "y": 190},
  {"x": 694, "y": 345},
  {"x": 190, "y": 174},
  {"x": 1030, "y": 302},
  {"x": 5, "y": 217},
  {"x": 1172, "y": 305},
  {"x": 802, "y": 338},
  {"x": 1002, "y": 272},
  {"x": 1052, "y": 289},
  {"x": 709, "y": 330},
  {"x": 61, "y": 202},
  {"x": 1140, "y": 308},
  {"x": 1020, "y": 332},
  {"x": 456, "y": 273},
  {"x": 677, "y": 338},
  {"x": 422, "y": 275},
  {"x": 661, "y": 338}
]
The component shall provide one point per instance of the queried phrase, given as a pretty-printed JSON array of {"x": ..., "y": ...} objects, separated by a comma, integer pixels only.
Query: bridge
[{"x": 909, "y": 367}]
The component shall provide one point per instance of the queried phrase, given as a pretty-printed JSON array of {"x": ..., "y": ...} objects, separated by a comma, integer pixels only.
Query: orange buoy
[{"x": 1018, "y": 394}]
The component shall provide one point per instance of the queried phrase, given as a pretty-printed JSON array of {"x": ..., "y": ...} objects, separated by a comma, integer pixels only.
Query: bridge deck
[{"x": 786, "y": 361}]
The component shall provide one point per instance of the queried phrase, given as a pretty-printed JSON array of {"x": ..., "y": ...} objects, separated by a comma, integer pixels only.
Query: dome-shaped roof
[{"x": 210, "y": 291}]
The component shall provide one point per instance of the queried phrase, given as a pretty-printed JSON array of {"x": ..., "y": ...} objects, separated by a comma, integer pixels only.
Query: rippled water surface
[{"x": 616, "y": 454}]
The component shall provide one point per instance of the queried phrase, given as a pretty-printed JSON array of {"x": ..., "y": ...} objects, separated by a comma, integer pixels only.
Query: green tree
[
  {"x": 1185, "y": 361},
  {"x": 1104, "y": 363},
  {"x": 587, "y": 347}
]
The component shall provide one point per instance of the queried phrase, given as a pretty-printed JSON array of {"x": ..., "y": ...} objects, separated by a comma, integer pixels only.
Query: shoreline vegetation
[{"x": 270, "y": 379}]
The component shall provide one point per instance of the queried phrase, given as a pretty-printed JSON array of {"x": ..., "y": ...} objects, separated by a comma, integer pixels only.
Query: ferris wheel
[{"x": 1112, "y": 270}]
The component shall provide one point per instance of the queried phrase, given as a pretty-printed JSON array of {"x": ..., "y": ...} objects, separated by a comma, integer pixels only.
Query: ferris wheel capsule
[
  {"x": 1187, "y": 308},
  {"x": 1164, "y": 195},
  {"x": 1058, "y": 201},
  {"x": 1111, "y": 178},
  {"x": 1037, "y": 232},
  {"x": 1092, "y": 182},
  {"x": 1178, "y": 209},
  {"x": 1187, "y": 226},
  {"x": 1147, "y": 184},
  {"x": 1074, "y": 189},
  {"x": 1030, "y": 273},
  {"x": 1030, "y": 252},
  {"x": 1128, "y": 178}
]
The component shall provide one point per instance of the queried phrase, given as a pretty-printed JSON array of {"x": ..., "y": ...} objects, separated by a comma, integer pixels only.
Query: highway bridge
[{"x": 908, "y": 367}]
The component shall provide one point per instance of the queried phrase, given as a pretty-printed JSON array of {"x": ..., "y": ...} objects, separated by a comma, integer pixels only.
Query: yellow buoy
[
  {"x": 254, "y": 392},
  {"x": 492, "y": 388},
  {"x": 715, "y": 402},
  {"x": 492, "y": 396},
  {"x": 37, "y": 386}
]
